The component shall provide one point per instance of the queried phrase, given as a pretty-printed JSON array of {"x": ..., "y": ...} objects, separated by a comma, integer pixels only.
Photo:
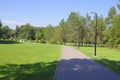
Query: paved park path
[{"x": 74, "y": 65}]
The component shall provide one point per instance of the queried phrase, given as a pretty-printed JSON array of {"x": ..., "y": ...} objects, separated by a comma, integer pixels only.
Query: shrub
[
  {"x": 59, "y": 42},
  {"x": 119, "y": 47},
  {"x": 42, "y": 41},
  {"x": 53, "y": 41},
  {"x": 37, "y": 41},
  {"x": 109, "y": 45}
]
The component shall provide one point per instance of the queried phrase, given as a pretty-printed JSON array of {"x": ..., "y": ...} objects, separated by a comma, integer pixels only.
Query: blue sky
[{"x": 44, "y": 12}]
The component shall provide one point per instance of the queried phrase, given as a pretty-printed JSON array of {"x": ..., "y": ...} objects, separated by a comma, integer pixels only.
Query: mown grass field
[
  {"x": 108, "y": 57},
  {"x": 28, "y": 61}
]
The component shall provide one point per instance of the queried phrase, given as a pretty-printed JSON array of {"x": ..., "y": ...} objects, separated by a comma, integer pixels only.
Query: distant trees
[
  {"x": 115, "y": 31},
  {"x": 76, "y": 29},
  {"x": 111, "y": 12},
  {"x": 118, "y": 5},
  {"x": 0, "y": 29},
  {"x": 6, "y": 32},
  {"x": 26, "y": 32},
  {"x": 75, "y": 23},
  {"x": 63, "y": 31},
  {"x": 112, "y": 35}
]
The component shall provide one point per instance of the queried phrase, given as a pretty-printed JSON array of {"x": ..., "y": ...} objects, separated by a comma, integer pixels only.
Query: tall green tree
[
  {"x": 100, "y": 30},
  {"x": 48, "y": 32},
  {"x": 118, "y": 5},
  {"x": 74, "y": 24},
  {"x": 26, "y": 32},
  {"x": 87, "y": 30},
  {"x": 6, "y": 32},
  {"x": 63, "y": 31},
  {"x": 0, "y": 28},
  {"x": 111, "y": 12},
  {"x": 115, "y": 31}
]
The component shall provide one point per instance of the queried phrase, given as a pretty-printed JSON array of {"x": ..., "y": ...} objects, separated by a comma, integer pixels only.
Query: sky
[{"x": 45, "y": 12}]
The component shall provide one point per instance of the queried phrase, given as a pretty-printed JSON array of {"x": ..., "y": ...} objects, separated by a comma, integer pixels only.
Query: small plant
[
  {"x": 42, "y": 41},
  {"x": 37, "y": 38},
  {"x": 119, "y": 47}
]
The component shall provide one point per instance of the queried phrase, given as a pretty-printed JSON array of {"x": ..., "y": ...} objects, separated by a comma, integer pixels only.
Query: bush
[
  {"x": 53, "y": 41},
  {"x": 8, "y": 42},
  {"x": 59, "y": 42},
  {"x": 37, "y": 41},
  {"x": 109, "y": 45},
  {"x": 42, "y": 41},
  {"x": 119, "y": 47}
]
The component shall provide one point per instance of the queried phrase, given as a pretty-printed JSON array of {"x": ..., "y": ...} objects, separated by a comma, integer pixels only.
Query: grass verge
[{"x": 108, "y": 57}]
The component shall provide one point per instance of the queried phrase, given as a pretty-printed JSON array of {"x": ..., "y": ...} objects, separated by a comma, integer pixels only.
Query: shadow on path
[
  {"x": 83, "y": 69},
  {"x": 111, "y": 64},
  {"x": 36, "y": 71}
]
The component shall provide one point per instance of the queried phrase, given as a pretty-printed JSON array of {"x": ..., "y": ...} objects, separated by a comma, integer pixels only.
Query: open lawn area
[
  {"x": 28, "y": 61},
  {"x": 108, "y": 57}
]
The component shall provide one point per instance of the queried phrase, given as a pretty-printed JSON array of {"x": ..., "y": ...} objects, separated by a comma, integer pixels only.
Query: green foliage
[
  {"x": 26, "y": 32},
  {"x": 118, "y": 5},
  {"x": 0, "y": 29},
  {"x": 42, "y": 41},
  {"x": 63, "y": 31},
  {"x": 119, "y": 47},
  {"x": 8, "y": 42},
  {"x": 112, "y": 12},
  {"x": 76, "y": 29},
  {"x": 59, "y": 42},
  {"x": 110, "y": 44},
  {"x": 76, "y": 25},
  {"x": 37, "y": 41},
  {"x": 6, "y": 32},
  {"x": 37, "y": 38},
  {"x": 114, "y": 31},
  {"x": 53, "y": 41}
]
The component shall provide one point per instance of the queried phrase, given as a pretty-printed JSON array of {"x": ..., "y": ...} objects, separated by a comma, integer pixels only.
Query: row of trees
[{"x": 76, "y": 29}]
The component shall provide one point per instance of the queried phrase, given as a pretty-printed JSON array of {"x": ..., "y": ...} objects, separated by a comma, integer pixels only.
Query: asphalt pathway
[{"x": 74, "y": 65}]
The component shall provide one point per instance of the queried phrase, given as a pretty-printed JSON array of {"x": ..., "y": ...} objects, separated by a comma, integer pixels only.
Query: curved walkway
[{"x": 73, "y": 65}]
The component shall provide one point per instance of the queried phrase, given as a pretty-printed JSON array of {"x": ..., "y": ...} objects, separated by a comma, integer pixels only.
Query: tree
[
  {"x": 17, "y": 31},
  {"x": 87, "y": 30},
  {"x": 48, "y": 32},
  {"x": 112, "y": 12},
  {"x": 115, "y": 31},
  {"x": 0, "y": 28},
  {"x": 118, "y": 5},
  {"x": 63, "y": 26},
  {"x": 6, "y": 32},
  {"x": 81, "y": 30},
  {"x": 26, "y": 32},
  {"x": 37, "y": 38},
  {"x": 74, "y": 24},
  {"x": 100, "y": 30},
  {"x": 13, "y": 34}
]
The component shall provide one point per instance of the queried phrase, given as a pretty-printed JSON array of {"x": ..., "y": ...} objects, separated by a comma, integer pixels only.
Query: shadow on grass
[
  {"x": 36, "y": 71},
  {"x": 8, "y": 42},
  {"x": 111, "y": 64}
]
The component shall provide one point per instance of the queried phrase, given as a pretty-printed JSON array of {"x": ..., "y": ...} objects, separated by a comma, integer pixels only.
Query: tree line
[{"x": 77, "y": 29}]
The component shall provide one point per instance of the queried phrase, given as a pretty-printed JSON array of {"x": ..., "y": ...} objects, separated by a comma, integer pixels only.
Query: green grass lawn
[
  {"x": 28, "y": 61},
  {"x": 108, "y": 57}
]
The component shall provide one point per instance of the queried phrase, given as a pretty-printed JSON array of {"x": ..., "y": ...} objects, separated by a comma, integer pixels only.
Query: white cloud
[
  {"x": 10, "y": 14},
  {"x": 13, "y": 22}
]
